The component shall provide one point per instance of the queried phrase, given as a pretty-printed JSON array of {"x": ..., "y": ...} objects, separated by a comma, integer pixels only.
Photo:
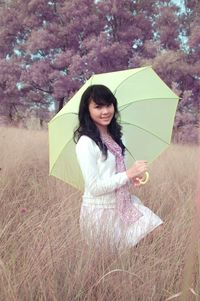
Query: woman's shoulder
[
  {"x": 85, "y": 139},
  {"x": 85, "y": 142},
  {"x": 86, "y": 147}
]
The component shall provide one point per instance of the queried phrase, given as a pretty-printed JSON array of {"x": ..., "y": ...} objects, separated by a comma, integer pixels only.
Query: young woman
[{"x": 110, "y": 215}]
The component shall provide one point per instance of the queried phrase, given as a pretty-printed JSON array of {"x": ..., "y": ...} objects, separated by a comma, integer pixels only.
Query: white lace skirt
[{"x": 102, "y": 226}]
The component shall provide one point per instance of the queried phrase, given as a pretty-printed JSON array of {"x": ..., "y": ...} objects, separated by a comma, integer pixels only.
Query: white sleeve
[{"x": 87, "y": 158}]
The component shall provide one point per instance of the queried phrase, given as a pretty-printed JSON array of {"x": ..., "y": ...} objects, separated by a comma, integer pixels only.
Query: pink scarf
[{"x": 126, "y": 210}]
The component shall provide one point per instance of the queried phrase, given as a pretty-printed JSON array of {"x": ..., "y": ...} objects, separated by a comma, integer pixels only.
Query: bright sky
[{"x": 180, "y": 3}]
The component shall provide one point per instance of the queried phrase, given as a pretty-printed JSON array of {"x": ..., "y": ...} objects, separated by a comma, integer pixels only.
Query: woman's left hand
[
  {"x": 140, "y": 180},
  {"x": 136, "y": 181}
]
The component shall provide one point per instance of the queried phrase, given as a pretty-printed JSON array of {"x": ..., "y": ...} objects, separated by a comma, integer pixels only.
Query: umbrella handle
[{"x": 145, "y": 179}]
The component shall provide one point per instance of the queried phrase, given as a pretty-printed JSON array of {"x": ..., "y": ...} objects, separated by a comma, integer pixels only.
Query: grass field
[{"x": 43, "y": 257}]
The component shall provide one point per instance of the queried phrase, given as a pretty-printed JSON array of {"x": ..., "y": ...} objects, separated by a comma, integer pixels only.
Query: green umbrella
[{"x": 147, "y": 108}]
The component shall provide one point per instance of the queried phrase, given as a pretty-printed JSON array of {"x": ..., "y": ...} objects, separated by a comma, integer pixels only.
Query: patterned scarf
[{"x": 126, "y": 210}]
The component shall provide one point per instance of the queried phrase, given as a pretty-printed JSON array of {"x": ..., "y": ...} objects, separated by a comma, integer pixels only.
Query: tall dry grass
[{"x": 43, "y": 257}]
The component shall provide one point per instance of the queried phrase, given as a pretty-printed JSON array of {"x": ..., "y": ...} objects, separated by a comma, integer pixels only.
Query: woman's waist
[{"x": 103, "y": 201}]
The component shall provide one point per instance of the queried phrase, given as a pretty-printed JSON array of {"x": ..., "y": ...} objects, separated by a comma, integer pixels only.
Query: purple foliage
[{"x": 49, "y": 48}]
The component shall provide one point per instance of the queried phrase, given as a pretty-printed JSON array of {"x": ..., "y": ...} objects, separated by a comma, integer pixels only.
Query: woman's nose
[{"x": 105, "y": 110}]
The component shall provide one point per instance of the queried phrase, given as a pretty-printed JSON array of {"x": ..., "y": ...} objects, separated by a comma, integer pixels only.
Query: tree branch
[{"x": 40, "y": 89}]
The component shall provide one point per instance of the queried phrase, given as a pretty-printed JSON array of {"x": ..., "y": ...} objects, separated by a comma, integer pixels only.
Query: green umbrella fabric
[{"x": 147, "y": 109}]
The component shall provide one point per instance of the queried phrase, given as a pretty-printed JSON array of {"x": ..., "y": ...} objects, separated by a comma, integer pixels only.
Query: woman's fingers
[
  {"x": 141, "y": 166},
  {"x": 145, "y": 179},
  {"x": 138, "y": 168},
  {"x": 137, "y": 181}
]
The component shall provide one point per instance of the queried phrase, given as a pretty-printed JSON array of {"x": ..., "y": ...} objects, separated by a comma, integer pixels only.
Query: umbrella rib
[
  {"x": 141, "y": 100},
  {"x": 152, "y": 134},
  {"x": 123, "y": 107},
  {"x": 144, "y": 68},
  {"x": 130, "y": 153},
  {"x": 61, "y": 152},
  {"x": 56, "y": 118}
]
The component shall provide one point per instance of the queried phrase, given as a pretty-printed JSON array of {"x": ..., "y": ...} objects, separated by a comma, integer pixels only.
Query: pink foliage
[
  {"x": 38, "y": 74},
  {"x": 63, "y": 59},
  {"x": 168, "y": 27},
  {"x": 49, "y": 48},
  {"x": 194, "y": 39},
  {"x": 42, "y": 39},
  {"x": 9, "y": 74}
]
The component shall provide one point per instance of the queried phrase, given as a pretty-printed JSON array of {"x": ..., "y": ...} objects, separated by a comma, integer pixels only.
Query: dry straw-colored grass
[{"x": 43, "y": 257}]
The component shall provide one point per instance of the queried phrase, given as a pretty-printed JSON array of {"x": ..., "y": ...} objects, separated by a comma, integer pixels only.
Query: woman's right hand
[{"x": 137, "y": 169}]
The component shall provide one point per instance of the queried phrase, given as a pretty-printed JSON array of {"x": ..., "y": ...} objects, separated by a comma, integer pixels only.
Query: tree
[
  {"x": 9, "y": 75},
  {"x": 49, "y": 48},
  {"x": 177, "y": 63},
  {"x": 56, "y": 61}
]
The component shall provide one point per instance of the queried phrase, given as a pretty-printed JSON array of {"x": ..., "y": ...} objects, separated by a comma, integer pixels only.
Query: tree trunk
[{"x": 61, "y": 103}]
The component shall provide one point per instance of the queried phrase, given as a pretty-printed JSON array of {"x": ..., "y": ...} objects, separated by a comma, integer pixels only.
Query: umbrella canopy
[{"x": 147, "y": 109}]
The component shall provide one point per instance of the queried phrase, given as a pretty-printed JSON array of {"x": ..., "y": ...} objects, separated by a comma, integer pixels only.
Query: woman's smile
[
  {"x": 101, "y": 114},
  {"x": 106, "y": 117}
]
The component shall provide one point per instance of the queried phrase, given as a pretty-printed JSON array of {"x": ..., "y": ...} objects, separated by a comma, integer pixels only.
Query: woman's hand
[
  {"x": 137, "y": 170},
  {"x": 136, "y": 181}
]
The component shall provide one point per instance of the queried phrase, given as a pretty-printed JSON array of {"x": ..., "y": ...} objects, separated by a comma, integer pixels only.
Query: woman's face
[{"x": 101, "y": 114}]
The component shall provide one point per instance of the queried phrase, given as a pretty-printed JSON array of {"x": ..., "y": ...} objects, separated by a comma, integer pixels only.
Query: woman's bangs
[{"x": 102, "y": 101}]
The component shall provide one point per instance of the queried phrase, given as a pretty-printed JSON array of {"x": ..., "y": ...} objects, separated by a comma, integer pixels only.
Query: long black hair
[{"x": 101, "y": 95}]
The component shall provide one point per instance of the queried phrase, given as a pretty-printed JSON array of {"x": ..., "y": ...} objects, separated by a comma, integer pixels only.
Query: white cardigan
[{"x": 99, "y": 175}]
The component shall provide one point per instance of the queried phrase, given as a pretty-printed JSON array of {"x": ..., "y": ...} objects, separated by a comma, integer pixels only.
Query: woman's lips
[{"x": 105, "y": 118}]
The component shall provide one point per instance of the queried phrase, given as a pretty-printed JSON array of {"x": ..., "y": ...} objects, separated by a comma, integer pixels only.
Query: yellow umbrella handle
[{"x": 145, "y": 179}]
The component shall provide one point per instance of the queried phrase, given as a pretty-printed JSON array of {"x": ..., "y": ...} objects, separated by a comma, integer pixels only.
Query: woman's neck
[{"x": 103, "y": 130}]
